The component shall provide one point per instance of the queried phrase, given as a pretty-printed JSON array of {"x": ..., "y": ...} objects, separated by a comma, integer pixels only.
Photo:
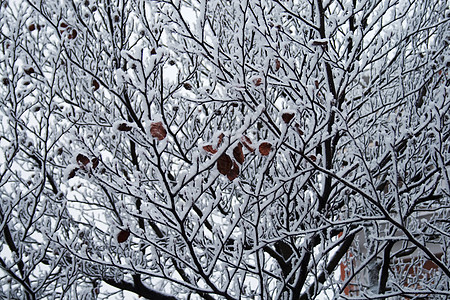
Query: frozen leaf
[
  {"x": 95, "y": 84},
  {"x": 72, "y": 173},
  {"x": 277, "y": 64},
  {"x": 95, "y": 162},
  {"x": 238, "y": 154},
  {"x": 123, "y": 235},
  {"x": 124, "y": 127},
  {"x": 224, "y": 164},
  {"x": 297, "y": 128},
  {"x": 158, "y": 131},
  {"x": 234, "y": 172},
  {"x": 82, "y": 159},
  {"x": 29, "y": 71},
  {"x": 210, "y": 149},
  {"x": 221, "y": 136},
  {"x": 247, "y": 142},
  {"x": 287, "y": 117},
  {"x": 257, "y": 81},
  {"x": 264, "y": 148}
]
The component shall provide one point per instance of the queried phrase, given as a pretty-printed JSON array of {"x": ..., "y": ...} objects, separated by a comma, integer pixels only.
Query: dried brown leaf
[
  {"x": 124, "y": 127},
  {"x": 224, "y": 164},
  {"x": 287, "y": 117},
  {"x": 234, "y": 172},
  {"x": 158, "y": 131},
  {"x": 264, "y": 148},
  {"x": 82, "y": 159},
  {"x": 210, "y": 149},
  {"x": 238, "y": 154},
  {"x": 123, "y": 235}
]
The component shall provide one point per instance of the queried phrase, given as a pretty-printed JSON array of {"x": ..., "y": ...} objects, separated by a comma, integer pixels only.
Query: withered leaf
[
  {"x": 124, "y": 127},
  {"x": 95, "y": 84},
  {"x": 264, "y": 148},
  {"x": 32, "y": 27},
  {"x": 72, "y": 173},
  {"x": 277, "y": 64},
  {"x": 153, "y": 51},
  {"x": 95, "y": 162},
  {"x": 297, "y": 127},
  {"x": 123, "y": 235},
  {"x": 287, "y": 117},
  {"x": 158, "y": 131},
  {"x": 29, "y": 70},
  {"x": 224, "y": 164},
  {"x": 238, "y": 154},
  {"x": 187, "y": 86},
  {"x": 221, "y": 136},
  {"x": 210, "y": 149},
  {"x": 313, "y": 158},
  {"x": 82, "y": 159},
  {"x": 247, "y": 142},
  {"x": 234, "y": 172},
  {"x": 257, "y": 81}
]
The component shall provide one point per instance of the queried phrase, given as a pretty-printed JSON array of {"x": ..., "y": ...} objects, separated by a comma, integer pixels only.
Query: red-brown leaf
[
  {"x": 297, "y": 127},
  {"x": 72, "y": 173},
  {"x": 313, "y": 158},
  {"x": 95, "y": 162},
  {"x": 32, "y": 27},
  {"x": 124, "y": 127},
  {"x": 247, "y": 142},
  {"x": 238, "y": 154},
  {"x": 158, "y": 131},
  {"x": 95, "y": 84},
  {"x": 257, "y": 81},
  {"x": 287, "y": 117},
  {"x": 224, "y": 164},
  {"x": 264, "y": 148},
  {"x": 82, "y": 159},
  {"x": 123, "y": 235},
  {"x": 29, "y": 71},
  {"x": 187, "y": 86},
  {"x": 277, "y": 64},
  {"x": 234, "y": 172},
  {"x": 210, "y": 149},
  {"x": 221, "y": 136}
]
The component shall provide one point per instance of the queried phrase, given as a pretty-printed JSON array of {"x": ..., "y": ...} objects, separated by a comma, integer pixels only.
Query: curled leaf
[
  {"x": 247, "y": 142},
  {"x": 32, "y": 27},
  {"x": 187, "y": 86},
  {"x": 224, "y": 164},
  {"x": 82, "y": 159},
  {"x": 238, "y": 154},
  {"x": 158, "y": 131},
  {"x": 95, "y": 84},
  {"x": 287, "y": 117},
  {"x": 123, "y": 235},
  {"x": 153, "y": 51},
  {"x": 124, "y": 127},
  {"x": 210, "y": 149},
  {"x": 257, "y": 81},
  {"x": 221, "y": 136},
  {"x": 264, "y": 148},
  {"x": 313, "y": 158},
  {"x": 234, "y": 172}
]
